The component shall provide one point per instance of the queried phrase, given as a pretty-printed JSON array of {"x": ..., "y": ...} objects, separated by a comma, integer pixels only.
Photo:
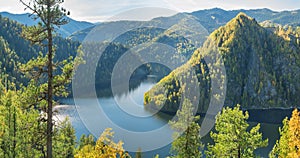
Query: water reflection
[
  {"x": 118, "y": 116},
  {"x": 133, "y": 123}
]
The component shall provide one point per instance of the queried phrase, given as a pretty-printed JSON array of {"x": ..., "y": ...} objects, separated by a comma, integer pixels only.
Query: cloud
[
  {"x": 104, "y": 8},
  {"x": 11, "y": 6},
  {"x": 192, "y": 5}
]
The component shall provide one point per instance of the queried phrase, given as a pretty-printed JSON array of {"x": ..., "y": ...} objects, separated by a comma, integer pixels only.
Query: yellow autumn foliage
[
  {"x": 105, "y": 148},
  {"x": 294, "y": 135}
]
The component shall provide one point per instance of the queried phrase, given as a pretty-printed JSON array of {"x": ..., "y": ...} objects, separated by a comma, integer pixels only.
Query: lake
[{"x": 140, "y": 123}]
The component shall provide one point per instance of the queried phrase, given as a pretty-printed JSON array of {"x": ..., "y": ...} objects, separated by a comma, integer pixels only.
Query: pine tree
[
  {"x": 51, "y": 15},
  {"x": 19, "y": 129},
  {"x": 9, "y": 127},
  {"x": 281, "y": 148},
  {"x": 64, "y": 144},
  {"x": 232, "y": 139},
  {"x": 22, "y": 129},
  {"x": 138, "y": 153},
  {"x": 188, "y": 144},
  {"x": 86, "y": 140}
]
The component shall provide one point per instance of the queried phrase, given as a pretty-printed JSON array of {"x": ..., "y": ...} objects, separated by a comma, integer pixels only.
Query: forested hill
[
  {"x": 262, "y": 66},
  {"x": 64, "y": 31},
  {"x": 21, "y": 51},
  {"x": 14, "y": 49}
]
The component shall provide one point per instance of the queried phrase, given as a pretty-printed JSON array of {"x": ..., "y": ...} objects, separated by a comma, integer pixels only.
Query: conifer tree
[
  {"x": 138, "y": 153},
  {"x": 188, "y": 144},
  {"x": 18, "y": 129},
  {"x": 50, "y": 15},
  {"x": 85, "y": 140},
  {"x": 64, "y": 144},
  {"x": 8, "y": 128},
  {"x": 232, "y": 137}
]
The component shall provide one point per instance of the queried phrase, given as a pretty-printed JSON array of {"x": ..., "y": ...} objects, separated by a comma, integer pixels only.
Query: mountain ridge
[
  {"x": 212, "y": 19},
  {"x": 262, "y": 69},
  {"x": 65, "y": 30}
]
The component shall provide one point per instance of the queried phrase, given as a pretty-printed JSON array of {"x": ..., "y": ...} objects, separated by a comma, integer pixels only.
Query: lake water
[{"x": 143, "y": 124}]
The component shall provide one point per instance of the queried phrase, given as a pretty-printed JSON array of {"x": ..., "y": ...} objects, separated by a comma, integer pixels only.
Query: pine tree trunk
[
  {"x": 49, "y": 110},
  {"x": 14, "y": 132},
  {"x": 187, "y": 141},
  {"x": 50, "y": 88},
  {"x": 239, "y": 152}
]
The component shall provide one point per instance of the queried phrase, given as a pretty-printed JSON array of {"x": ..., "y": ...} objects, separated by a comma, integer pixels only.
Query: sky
[{"x": 101, "y": 10}]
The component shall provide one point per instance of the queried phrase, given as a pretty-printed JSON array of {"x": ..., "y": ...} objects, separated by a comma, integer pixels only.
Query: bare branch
[{"x": 33, "y": 10}]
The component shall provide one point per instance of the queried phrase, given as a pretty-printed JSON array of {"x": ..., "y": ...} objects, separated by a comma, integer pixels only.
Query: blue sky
[{"x": 100, "y": 10}]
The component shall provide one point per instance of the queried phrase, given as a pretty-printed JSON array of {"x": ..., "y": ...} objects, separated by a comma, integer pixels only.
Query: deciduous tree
[
  {"x": 104, "y": 147},
  {"x": 288, "y": 146}
]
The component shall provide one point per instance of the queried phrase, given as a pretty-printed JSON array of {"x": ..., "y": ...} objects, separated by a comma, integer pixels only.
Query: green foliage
[
  {"x": 8, "y": 63},
  {"x": 19, "y": 135},
  {"x": 187, "y": 133},
  {"x": 85, "y": 141},
  {"x": 233, "y": 138},
  {"x": 9, "y": 125},
  {"x": 22, "y": 129},
  {"x": 64, "y": 140},
  {"x": 37, "y": 88},
  {"x": 281, "y": 148}
]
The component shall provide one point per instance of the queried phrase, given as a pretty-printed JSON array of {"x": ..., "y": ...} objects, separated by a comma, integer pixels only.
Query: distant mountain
[
  {"x": 165, "y": 30},
  {"x": 65, "y": 30},
  {"x": 211, "y": 19},
  {"x": 145, "y": 35},
  {"x": 10, "y": 30},
  {"x": 160, "y": 22},
  {"x": 262, "y": 67},
  {"x": 81, "y": 34}
]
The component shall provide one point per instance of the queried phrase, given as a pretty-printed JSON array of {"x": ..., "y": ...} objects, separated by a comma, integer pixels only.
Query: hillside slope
[
  {"x": 15, "y": 49},
  {"x": 263, "y": 69}
]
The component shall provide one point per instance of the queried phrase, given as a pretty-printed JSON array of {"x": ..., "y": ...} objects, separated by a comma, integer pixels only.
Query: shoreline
[{"x": 261, "y": 115}]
